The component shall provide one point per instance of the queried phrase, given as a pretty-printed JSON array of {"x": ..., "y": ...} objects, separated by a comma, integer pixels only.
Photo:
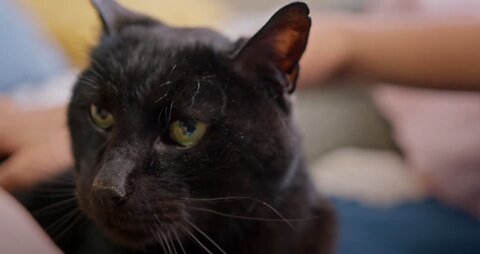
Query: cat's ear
[
  {"x": 114, "y": 17},
  {"x": 279, "y": 44}
]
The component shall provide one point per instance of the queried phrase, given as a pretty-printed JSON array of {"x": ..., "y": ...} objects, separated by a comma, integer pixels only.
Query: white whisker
[
  {"x": 195, "y": 239},
  {"x": 179, "y": 242},
  {"x": 169, "y": 236},
  {"x": 251, "y": 199},
  {"x": 206, "y": 236}
]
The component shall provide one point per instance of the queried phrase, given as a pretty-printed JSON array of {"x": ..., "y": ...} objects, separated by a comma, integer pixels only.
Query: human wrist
[
  {"x": 329, "y": 49},
  {"x": 341, "y": 30}
]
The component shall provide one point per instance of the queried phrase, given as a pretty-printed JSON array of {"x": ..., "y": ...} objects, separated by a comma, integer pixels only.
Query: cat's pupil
[
  {"x": 103, "y": 113},
  {"x": 188, "y": 127}
]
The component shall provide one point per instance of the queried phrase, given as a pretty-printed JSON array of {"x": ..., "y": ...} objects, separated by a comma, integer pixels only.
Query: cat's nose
[
  {"x": 111, "y": 182},
  {"x": 108, "y": 193}
]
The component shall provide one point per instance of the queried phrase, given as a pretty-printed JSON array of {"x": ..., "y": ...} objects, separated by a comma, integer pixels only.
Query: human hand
[
  {"x": 37, "y": 144},
  {"x": 328, "y": 50}
]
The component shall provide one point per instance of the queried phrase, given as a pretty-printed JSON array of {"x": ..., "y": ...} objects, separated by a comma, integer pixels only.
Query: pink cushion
[{"x": 439, "y": 132}]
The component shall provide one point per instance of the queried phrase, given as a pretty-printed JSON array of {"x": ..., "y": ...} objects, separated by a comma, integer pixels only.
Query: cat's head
[{"x": 166, "y": 118}]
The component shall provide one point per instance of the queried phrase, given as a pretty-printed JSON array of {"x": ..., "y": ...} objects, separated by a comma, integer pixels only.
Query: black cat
[{"x": 184, "y": 142}]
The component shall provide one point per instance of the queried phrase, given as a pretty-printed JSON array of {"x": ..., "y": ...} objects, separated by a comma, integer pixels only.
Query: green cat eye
[
  {"x": 101, "y": 118},
  {"x": 187, "y": 132}
]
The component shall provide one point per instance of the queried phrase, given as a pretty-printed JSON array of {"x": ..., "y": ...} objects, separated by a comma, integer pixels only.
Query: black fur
[{"x": 249, "y": 162}]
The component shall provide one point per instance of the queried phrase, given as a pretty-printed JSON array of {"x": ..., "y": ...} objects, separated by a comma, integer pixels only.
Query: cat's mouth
[
  {"x": 133, "y": 225},
  {"x": 135, "y": 232},
  {"x": 134, "y": 237}
]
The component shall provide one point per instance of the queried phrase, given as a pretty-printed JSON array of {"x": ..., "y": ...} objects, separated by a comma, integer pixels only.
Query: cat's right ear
[
  {"x": 278, "y": 45},
  {"x": 115, "y": 17}
]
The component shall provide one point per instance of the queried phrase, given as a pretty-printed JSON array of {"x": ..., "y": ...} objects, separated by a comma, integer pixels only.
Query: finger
[
  {"x": 7, "y": 145},
  {"x": 10, "y": 171},
  {"x": 29, "y": 167},
  {"x": 21, "y": 128},
  {"x": 7, "y": 105}
]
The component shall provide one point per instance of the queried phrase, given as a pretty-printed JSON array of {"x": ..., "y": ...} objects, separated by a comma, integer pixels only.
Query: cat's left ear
[
  {"x": 115, "y": 17},
  {"x": 279, "y": 44}
]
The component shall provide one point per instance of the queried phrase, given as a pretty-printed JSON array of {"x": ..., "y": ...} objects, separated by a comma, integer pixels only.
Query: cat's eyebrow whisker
[
  {"x": 89, "y": 83},
  {"x": 173, "y": 68},
  {"x": 195, "y": 239},
  {"x": 206, "y": 236},
  {"x": 230, "y": 198},
  {"x": 95, "y": 72},
  {"x": 96, "y": 64},
  {"x": 168, "y": 82},
  {"x": 170, "y": 111},
  {"x": 207, "y": 77},
  {"x": 161, "y": 98},
  {"x": 224, "y": 99},
  {"x": 195, "y": 94},
  {"x": 88, "y": 80},
  {"x": 93, "y": 86}
]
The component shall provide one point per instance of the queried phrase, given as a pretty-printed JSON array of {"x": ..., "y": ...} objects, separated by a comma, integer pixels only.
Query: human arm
[
  {"x": 429, "y": 52},
  {"x": 19, "y": 232},
  {"x": 37, "y": 144}
]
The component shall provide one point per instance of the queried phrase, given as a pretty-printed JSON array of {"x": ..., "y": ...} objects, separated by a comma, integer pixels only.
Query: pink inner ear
[
  {"x": 290, "y": 39},
  {"x": 280, "y": 42},
  {"x": 285, "y": 47}
]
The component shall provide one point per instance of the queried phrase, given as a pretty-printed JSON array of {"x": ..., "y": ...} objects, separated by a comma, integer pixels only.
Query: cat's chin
[
  {"x": 134, "y": 234},
  {"x": 136, "y": 239},
  {"x": 137, "y": 230}
]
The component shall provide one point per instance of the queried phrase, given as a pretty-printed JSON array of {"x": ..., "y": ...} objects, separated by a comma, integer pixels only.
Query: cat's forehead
[
  {"x": 158, "y": 69},
  {"x": 191, "y": 78},
  {"x": 158, "y": 42},
  {"x": 155, "y": 68},
  {"x": 160, "y": 53}
]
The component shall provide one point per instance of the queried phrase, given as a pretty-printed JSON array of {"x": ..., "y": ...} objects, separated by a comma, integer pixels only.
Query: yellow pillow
[{"x": 75, "y": 25}]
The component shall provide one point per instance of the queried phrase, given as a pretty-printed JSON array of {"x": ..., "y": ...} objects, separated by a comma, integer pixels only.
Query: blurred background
[{"x": 375, "y": 161}]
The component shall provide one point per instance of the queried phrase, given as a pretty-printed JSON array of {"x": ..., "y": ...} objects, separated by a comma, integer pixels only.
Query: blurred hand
[
  {"x": 37, "y": 144},
  {"x": 328, "y": 50}
]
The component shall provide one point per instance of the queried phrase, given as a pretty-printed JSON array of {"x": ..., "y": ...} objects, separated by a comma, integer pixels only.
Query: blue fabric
[
  {"x": 426, "y": 227},
  {"x": 25, "y": 56}
]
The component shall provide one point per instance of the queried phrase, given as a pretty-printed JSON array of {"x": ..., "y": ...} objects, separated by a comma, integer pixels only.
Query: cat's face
[{"x": 165, "y": 118}]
